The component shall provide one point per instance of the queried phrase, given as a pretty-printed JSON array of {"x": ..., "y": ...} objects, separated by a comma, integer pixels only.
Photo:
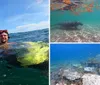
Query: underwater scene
[
  {"x": 75, "y": 64},
  {"x": 25, "y": 60},
  {"x": 75, "y": 20}
]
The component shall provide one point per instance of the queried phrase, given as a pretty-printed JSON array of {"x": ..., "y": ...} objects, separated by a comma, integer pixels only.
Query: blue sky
[{"x": 24, "y": 15}]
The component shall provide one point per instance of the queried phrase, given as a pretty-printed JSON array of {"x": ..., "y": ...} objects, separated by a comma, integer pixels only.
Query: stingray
[{"x": 70, "y": 25}]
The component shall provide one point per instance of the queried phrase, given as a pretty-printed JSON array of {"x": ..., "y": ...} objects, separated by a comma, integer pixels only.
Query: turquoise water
[
  {"x": 90, "y": 28},
  {"x": 84, "y": 17}
]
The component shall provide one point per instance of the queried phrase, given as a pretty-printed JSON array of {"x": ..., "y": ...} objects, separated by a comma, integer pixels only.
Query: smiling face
[{"x": 3, "y": 38}]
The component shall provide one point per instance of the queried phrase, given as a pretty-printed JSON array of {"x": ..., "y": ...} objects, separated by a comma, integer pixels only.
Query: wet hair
[{"x": 4, "y": 31}]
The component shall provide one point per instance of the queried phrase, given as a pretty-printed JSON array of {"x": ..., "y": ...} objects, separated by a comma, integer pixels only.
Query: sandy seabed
[{"x": 88, "y": 33}]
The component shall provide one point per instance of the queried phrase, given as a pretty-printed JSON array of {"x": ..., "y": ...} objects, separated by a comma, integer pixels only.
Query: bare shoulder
[
  {"x": 12, "y": 43},
  {"x": 4, "y": 46}
]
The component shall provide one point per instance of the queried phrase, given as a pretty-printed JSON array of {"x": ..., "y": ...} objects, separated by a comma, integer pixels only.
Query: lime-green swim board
[{"x": 29, "y": 53}]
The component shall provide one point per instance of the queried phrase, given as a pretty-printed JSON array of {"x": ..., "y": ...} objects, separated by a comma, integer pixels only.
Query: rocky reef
[
  {"x": 86, "y": 73},
  {"x": 92, "y": 65}
]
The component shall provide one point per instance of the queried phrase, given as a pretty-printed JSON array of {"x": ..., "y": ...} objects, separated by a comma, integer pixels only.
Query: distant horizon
[{"x": 27, "y": 31}]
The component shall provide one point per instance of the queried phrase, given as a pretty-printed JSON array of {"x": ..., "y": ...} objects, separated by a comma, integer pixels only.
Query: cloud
[
  {"x": 34, "y": 16},
  {"x": 31, "y": 27},
  {"x": 39, "y": 1},
  {"x": 30, "y": 6},
  {"x": 34, "y": 10},
  {"x": 38, "y": 5},
  {"x": 23, "y": 17},
  {"x": 33, "y": 5}
]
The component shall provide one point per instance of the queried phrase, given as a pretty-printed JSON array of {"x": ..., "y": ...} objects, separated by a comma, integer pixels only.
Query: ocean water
[
  {"x": 58, "y": 16},
  {"x": 90, "y": 21},
  {"x": 24, "y": 76},
  {"x": 65, "y": 54},
  {"x": 37, "y": 35}
]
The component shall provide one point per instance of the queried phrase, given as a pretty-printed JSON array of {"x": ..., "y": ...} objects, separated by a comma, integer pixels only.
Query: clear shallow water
[
  {"x": 65, "y": 54},
  {"x": 90, "y": 21},
  {"x": 58, "y": 16},
  {"x": 24, "y": 76}
]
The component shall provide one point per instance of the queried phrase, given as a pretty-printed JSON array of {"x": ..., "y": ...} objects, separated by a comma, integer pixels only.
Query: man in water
[
  {"x": 4, "y": 49},
  {"x": 4, "y": 36}
]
